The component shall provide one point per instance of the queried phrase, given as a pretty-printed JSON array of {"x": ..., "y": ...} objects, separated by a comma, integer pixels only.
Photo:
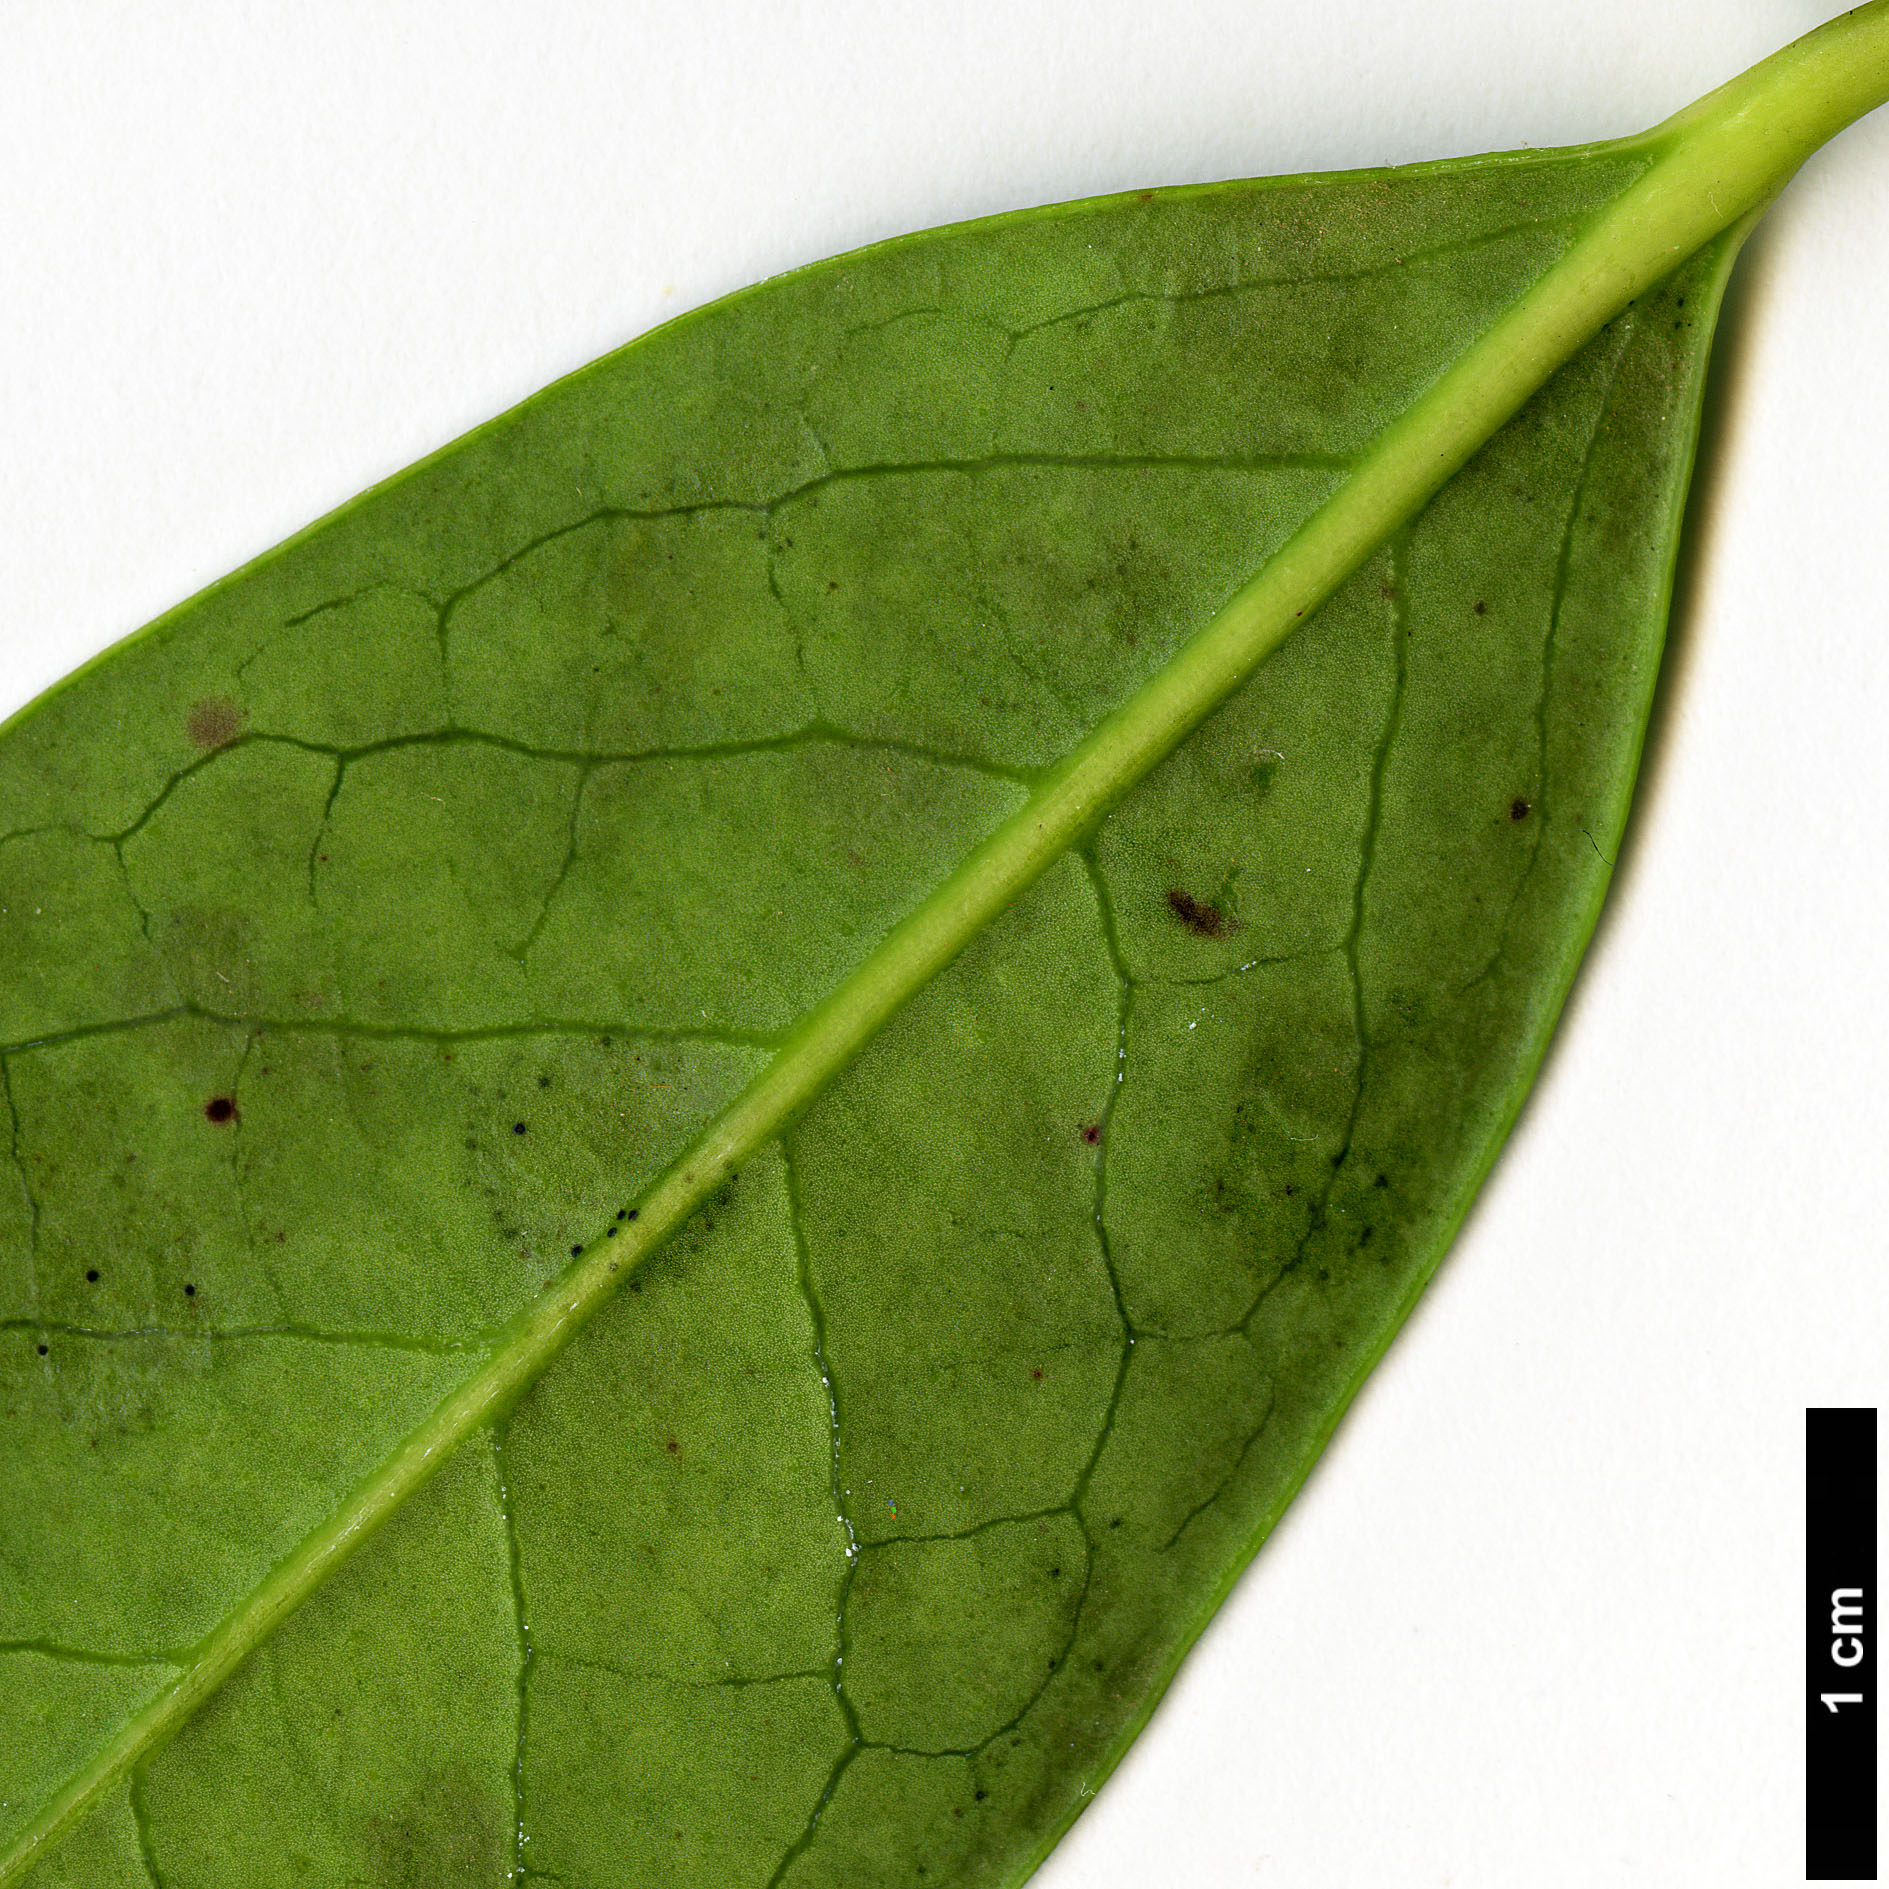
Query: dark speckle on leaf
[
  {"x": 518, "y": 1128},
  {"x": 91, "y": 1276},
  {"x": 1203, "y": 920},
  {"x": 220, "y": 1109},
  {"x": 213, "y": 721},
  {"x": 1519, "y": 809}
]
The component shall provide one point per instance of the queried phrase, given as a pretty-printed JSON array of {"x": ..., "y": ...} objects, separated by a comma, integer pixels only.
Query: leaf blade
[{"x": 771, "y": 1124}]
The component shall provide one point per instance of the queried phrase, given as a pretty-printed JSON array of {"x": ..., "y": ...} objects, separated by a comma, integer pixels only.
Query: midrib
[{"x": 1713, "y": 165}]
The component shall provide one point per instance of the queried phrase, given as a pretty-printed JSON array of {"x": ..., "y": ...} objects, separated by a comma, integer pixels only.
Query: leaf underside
[{"x": 377, "y": 925}]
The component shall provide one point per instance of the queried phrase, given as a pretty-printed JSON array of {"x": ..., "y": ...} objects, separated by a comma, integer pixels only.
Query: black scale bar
[{"x": 1840, "y": 1626}]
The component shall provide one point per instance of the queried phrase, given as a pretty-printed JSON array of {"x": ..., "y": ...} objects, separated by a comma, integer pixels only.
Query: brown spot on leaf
[
  {"x": 213, "y": 721},
  {"x": 1482, "y": 609},
  {"x": 673, "y": 1447},
  {"x": 220, "y": 1109},
  {"x": 1092, "y": 1132},
  {"x": 449, "y": 1830},
  {"x": 1203, "y": 920}
]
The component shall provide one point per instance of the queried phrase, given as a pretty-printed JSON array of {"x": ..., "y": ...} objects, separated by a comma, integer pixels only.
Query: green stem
[{"x": 1713, "y": 165}]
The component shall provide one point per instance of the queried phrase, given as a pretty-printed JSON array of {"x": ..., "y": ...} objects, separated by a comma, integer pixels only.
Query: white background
[{"x": 1535, "y": 1619}]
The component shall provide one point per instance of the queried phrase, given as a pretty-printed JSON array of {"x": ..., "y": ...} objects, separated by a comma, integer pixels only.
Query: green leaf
[{"x": 538, "y": 840}]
